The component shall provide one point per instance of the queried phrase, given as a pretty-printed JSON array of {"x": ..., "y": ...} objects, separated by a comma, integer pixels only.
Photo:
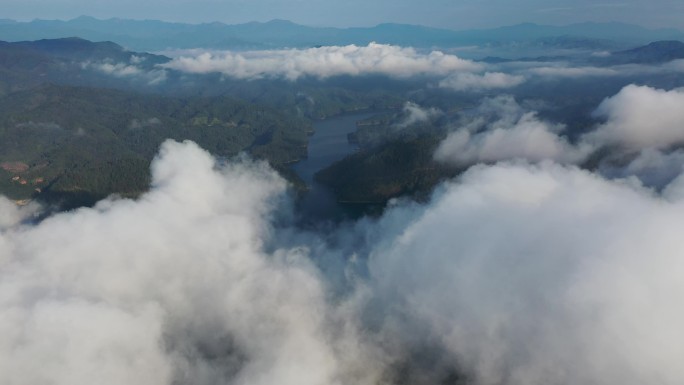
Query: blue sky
[{"x": 454, "y": 14}]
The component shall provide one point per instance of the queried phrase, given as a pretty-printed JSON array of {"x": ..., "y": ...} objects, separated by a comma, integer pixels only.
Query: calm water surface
[{"x": 327, "y": 145}]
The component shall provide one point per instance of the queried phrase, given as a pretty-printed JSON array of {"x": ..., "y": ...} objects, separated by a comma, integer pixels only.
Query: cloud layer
[
  {"x": 641, "y": 117},
  {"x": 640, "y": 124},
  {"x": 324, "y": 62},
  {"x": 554, "y": 70},
  {"x": 501, "y": 129},
  {"x": 172, "y": 288},
  {"x": 476, "y": 82},
  {"x": 127, "y": 70},
  {"x": 512, "y": 274},
  {"x": 533, "y": 275},
  {"x": 413, "y": 113}
]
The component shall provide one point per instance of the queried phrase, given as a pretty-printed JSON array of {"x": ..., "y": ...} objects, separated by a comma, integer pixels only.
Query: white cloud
[
  {"x": 555, "y": 70},
  {"x": 514, "y": 273},
  {"x": 574, "y": 72},
  {"x": 416, "y": 114},
  {"x": 476, "y": 82},
  {"x": 640, "y": 117},
  {"x": 118, "y": 69},
  {"x": 125, "y": 70},
  {"x": 172, "y": 288},
  {"x": 503, "y": 130},
  {"x": 534, "y": 275},
  {"x": 324, "y": 62},
  {"x": 11, "y": 215},
  {"x": 529, "y": 139},
  {"x": 675, "y": 65},
  {"x": 137, "y": 59},
  {"x": 652, "y": 167},
  {"x": 637, "y": 118}
]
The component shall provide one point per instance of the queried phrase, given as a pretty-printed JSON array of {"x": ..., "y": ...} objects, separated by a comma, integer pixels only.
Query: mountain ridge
[
  {"x": 655, "y": 52},
  {"x": 156, "y": 35}
]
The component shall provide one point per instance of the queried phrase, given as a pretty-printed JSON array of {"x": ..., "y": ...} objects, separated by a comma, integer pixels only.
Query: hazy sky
[{"x": 455, "y": 14}]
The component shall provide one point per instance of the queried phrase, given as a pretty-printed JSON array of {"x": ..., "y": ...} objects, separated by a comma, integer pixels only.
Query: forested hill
[
  {"x": 81, "y": 144},
  {"x": 80, "y": 120},
  {"x": 74, "y": 61}
]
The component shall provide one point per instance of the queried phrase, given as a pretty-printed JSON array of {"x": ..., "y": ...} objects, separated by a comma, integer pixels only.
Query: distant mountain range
[
  {"x": 152, "y": 35},
  {"x": 76, "y": 61},
  {"x": 656, "y": 52}
]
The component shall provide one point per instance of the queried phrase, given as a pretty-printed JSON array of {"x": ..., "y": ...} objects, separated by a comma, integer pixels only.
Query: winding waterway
[{"x": 327, "y": 145}]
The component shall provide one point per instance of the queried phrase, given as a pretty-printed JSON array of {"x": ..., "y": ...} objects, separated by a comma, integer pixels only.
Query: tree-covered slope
[{"x": 57, "y": 140}]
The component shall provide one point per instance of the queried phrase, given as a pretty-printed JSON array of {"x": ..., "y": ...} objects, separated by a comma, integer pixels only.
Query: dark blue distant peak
[
  {"x": 280, "y": 22},
  {"x": 84, "y": 18}
]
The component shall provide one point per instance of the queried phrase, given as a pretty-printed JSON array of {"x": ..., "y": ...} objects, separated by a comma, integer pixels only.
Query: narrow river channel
[{"x": 327, "y": 145}]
